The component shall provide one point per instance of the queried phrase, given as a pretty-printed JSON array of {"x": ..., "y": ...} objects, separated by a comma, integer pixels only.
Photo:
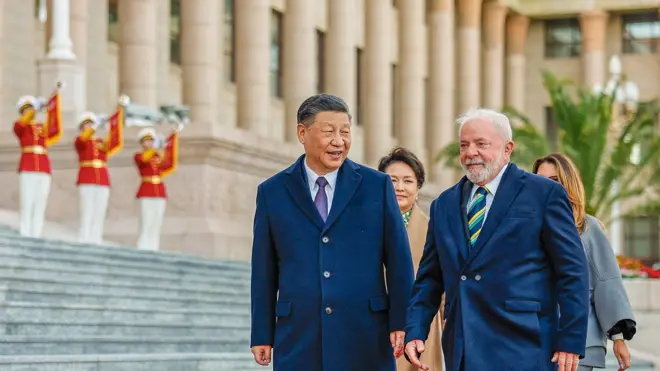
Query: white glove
[{"x": 159, "y": 142}]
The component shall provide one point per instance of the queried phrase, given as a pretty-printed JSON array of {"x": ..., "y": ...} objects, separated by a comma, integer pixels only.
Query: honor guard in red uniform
[
  {"x": 153, "y": 167},
  {"x": 93, "y": 176},
  {"x": 34, "y": 167}
]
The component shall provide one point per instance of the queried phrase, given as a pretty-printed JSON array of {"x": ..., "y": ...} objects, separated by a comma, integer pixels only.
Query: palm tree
[{"x": 626, "y": 157}]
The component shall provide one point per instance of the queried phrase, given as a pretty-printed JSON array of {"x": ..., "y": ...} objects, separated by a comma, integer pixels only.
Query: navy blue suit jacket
[
  {"x": 503, "y": 294},
  {"x": 319, "y": 293}
]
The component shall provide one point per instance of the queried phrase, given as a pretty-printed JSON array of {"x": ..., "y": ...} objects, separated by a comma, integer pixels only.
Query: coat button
[
  {"x": 477, "y": 277},
  {"x": 325, "y": 239},
  {"x": 463, "y": 278},
  {"x": 326, "y": 274},
  {"x": 328, "y": 310}
]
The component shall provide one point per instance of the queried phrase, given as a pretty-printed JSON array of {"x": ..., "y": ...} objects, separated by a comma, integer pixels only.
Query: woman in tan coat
[{"x": 407, "y": 174}]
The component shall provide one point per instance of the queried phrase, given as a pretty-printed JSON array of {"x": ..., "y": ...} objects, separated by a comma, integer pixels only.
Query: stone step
[
  {"x": 122, "y": 253},
  {"x": 16, "y": 253},
  {"x": 135, "y": 287},
  {"x": 90, "y": 274},
  {"x": 134, "y": 362},
  {"x": 21, "y": 312},
  {"x": 110, "y": 327},
  {"x": 59, "y": 345},
  {"x": 61, "y": 294}
]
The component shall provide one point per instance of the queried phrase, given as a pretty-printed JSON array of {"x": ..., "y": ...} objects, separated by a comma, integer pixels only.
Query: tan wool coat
[{"x": 432, "y": 356}]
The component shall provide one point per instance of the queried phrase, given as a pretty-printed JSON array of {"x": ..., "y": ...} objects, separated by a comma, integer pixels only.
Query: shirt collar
[
  {"x": 312, "y": 176},
  {"x": 493, "y": 184}
]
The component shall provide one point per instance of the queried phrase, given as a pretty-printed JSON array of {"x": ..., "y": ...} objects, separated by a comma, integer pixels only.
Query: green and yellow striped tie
[{"x": 476, "y": 214}]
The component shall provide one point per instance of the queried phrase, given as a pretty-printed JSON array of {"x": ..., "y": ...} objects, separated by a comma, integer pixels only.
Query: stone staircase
[{"x": 76, "y": 307}]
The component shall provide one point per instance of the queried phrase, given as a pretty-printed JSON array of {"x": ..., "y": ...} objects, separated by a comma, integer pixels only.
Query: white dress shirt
[
  {"x": 492, "y": 189},
  {"x": 314, "y": 188}
]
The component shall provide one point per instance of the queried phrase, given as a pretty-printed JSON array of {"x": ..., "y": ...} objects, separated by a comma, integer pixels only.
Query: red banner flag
[
  {"x": 53, "y": 123},
  {"x": 171, "y": 159},
  {"x": 115, "y": 140}
]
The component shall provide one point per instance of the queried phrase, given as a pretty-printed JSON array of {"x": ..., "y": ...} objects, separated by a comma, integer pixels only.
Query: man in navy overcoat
[
  {"x": 503, "y": 245},
  {"x": 332, "y": 271}
]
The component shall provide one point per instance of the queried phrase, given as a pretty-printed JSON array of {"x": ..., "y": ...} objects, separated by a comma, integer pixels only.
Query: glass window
[
  {"x": 229, "y": 42},
  {"x": 113, "y": 21},
  {"x": 320, "y": 61},
  {"x": 563, "y": 38},
  {"x": 640, "y": 32},
  {"x": 642, "y": 237},
  {"x": 175, "y": 31},
  {"x": 276, "y": 54}
]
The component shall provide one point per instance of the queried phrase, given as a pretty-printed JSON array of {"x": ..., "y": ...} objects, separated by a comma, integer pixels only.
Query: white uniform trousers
[
  {"x": 34, "y": 188},
  {"x": 93, "y": 207},
  {"x": 152, "y": 210}
]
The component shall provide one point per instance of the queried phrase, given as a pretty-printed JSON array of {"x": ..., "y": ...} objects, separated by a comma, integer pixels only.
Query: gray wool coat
[{"x": 608, "y": 297}]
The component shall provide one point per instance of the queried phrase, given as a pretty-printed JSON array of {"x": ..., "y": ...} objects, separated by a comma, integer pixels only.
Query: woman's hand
[{"x": 622, "y": 354}]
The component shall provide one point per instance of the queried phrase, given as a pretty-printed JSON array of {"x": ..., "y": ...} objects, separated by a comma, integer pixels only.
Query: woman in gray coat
[{"x": 610, "y": 315}]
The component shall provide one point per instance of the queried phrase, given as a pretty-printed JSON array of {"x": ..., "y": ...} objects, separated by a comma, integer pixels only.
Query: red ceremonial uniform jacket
[
  {"x": 32, "y": 139},
  {"x": 153, "y": 167},
  {"x": 93, "y": 155}
]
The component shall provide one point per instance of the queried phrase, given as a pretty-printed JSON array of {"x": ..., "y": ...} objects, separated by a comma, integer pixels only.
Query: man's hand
[
  {"x": 622, "y": 354},
  {"x": 396, "y": 339},
  {"x": 566, "y": 361},
  {"x": 262, "y": 354},
  {"x": 412, "y": 349}
]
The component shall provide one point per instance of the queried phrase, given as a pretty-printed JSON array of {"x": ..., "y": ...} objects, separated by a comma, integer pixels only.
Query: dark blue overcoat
[
  {"x": 319, "y": 291},
  {"x": 502, "y": 297}
]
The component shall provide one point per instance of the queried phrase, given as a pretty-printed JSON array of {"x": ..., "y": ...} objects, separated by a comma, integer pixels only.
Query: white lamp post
[{"x": 626, "y": 98}]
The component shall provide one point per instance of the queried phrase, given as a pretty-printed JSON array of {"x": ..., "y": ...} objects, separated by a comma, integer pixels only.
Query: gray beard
[{"x": 489, "y": 170}]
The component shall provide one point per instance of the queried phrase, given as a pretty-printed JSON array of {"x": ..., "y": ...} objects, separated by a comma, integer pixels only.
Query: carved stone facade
[{"x": 381, "y": 60}]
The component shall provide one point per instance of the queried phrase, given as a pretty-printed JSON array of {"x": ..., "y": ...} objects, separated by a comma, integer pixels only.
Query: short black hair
[
  {"x": 318, "y": 103},
  {"x": 400, "y": 154}
]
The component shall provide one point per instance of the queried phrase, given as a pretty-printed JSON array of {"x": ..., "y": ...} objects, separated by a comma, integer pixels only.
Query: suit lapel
[
  {"x": 348, "y": 180},
  {"x": 459, "y": 225},
  {"x": 299, "y": 192},
  {"x": 512, "y": 182}
]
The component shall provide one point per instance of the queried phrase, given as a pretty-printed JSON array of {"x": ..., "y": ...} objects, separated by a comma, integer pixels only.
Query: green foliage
[{"x": 584, "y": 122}]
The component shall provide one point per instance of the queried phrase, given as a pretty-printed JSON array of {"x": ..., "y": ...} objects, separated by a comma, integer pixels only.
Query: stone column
[
  {"x": 378, "y": 77},
  {"x": 99, "y": 98},
  {"x": 341, "y": 60},
  {"x": 411, "y": 119},
  {"x": 199, "y": 32},
  {"x": 469, "y": 54},
  {"x": 138, "y": 51},
  {"x": 493, "y": 62},
  {"x": 79, "y": 11},
  {"x": 594, "y": 29},
  {"x": 441, "y": 129},
  {"x": 164, "y": 94},
  {"x": 299, "y": 61},
  {"x": 61, "y": 65},
  {"x": 60, "y": 45},
  {"x": 252, "y": 65},
  {"x": 516, "y": 37}
]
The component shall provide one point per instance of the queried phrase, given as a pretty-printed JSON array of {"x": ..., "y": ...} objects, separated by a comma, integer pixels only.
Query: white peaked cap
[
  {"x": 88, "y": 116},
  {"x": 146, "y": 132},
  {"x": 27, "y": 99}
]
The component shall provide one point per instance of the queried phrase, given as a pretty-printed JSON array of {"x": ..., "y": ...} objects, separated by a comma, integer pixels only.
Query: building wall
[{"x": 211, "y": 201}]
